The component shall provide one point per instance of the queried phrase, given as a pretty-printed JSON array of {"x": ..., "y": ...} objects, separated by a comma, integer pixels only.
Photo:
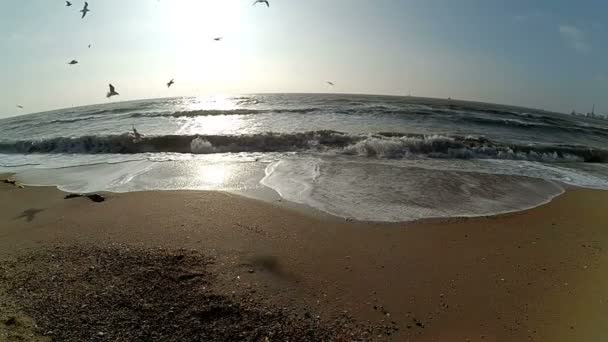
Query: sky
[{"x": 542, "y": 54}]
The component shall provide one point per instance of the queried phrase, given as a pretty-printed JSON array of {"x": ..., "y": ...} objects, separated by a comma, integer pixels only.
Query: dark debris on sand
[
  {"x": 93, "y": 197},
  {"x": 126, "y": 294}
]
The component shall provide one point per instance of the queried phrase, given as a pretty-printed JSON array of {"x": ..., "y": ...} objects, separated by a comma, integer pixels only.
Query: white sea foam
[
  {"x": 201, "y": 146},
  {"x": 374, "y": 192}
]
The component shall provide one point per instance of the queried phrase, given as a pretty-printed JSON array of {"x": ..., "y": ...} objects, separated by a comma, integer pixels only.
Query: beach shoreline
[
  {"x": 269, "y": 195},
  {"x": 529, "y": 275}
]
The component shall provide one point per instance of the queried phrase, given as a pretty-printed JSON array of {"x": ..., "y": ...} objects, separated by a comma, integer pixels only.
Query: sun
[
  {"x": 194, "y": 19},
  {"x": 194, "y": 24}
]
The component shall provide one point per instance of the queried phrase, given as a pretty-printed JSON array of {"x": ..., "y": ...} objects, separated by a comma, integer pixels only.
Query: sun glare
[
  {"x": 214, "y": 175},
  {"x": 194, "y": 25},
  {"x": 195, "y": 20}
]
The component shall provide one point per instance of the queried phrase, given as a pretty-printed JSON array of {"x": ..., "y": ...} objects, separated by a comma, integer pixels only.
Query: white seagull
[
  {"x": 112, "y": 92},
  {"x": 85, "y": 9},
  {"x": 262, "y": 2}
]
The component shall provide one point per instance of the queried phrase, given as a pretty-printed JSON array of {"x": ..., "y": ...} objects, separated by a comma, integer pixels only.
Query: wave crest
[{"x": 381, "y": 145}]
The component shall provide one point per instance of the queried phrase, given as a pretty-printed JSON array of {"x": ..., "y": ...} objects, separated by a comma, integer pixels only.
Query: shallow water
[{"x": 365, "y": 157}]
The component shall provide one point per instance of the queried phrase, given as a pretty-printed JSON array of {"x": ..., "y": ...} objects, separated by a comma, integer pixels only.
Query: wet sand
[{"x": 537, "y": 275}]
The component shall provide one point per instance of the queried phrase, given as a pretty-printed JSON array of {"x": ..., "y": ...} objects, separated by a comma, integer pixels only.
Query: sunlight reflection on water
[{"x": 213, "y": 124}]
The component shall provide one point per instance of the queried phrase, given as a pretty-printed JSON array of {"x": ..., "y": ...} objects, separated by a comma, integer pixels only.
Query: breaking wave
[{"x": 380, "y": 145}]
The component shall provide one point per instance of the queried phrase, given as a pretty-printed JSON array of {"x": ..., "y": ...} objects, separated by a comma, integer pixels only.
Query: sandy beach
[
  {"x": 536, "y": 275},
  {"x": 303, "y": 171}
]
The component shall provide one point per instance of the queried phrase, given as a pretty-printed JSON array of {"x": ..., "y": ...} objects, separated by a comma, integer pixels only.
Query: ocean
[{"x": 372, "y": 158}]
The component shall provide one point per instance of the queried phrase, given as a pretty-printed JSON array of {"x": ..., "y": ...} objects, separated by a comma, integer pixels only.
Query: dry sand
[{"x": 537, "y": 275}]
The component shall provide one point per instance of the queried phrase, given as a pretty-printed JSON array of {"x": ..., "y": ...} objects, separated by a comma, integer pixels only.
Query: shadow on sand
[{"x": 29, "y": 214}]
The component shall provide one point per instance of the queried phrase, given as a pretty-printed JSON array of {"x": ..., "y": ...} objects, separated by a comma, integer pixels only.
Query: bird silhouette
[
  {"x": 68, "y": 4},
  {"x": 170, "y": 83},
  {"x": 331, "y": 83},
  {"x": 112, "y": 92},
  {"x": 136, "y": 135},
  {"x": 217, "y": 39},
  {"x": 262, "y": 2},
  {"x": 85, "y": 9},
  {"x": 73, "y": 62},
  {"x": 20, "y": 106}
]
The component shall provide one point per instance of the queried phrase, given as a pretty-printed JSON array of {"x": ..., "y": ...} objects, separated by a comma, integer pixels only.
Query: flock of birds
[
  {"x": 84, "y": 10},
  {"x": 112, "y": 89}
]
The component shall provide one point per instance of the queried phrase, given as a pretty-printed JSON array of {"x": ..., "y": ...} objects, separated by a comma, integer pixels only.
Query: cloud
[{"x": 575, "y": 38}]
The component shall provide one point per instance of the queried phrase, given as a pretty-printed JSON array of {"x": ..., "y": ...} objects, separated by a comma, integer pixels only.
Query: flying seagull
[
  {"x": 170, "y": 83},
  {"x": 262, "y": 2},
  {"x": 136, "y": 135},
  {"x": 331, "y": 83},
  {"x": 20, "y": 106},
  {"x": 112, "y": 92},
  {"x": 68, "y": 4},
  {"x": 217, "y": 39},
  {"x": 73, "y": 62},
  {"x": 85, "y": 9}
]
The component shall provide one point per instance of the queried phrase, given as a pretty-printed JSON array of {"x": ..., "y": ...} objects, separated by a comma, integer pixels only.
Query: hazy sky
[{"x": 547, "y": 54}]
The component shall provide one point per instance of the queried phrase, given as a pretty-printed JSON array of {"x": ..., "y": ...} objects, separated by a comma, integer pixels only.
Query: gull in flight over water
[
  {"x": 170, "y": 83},
  {"x": 20, "y": 106},
  {"x": 331, "y": 83},
  {"x": 112, "y": 92},
  {"x": 68, "y": 4},
  {"x": 262, "y": 2},
  {"x": 85, "y": 9},
  {"x": 136, "y": 135},
  {"x": 73, "y": 62}
]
